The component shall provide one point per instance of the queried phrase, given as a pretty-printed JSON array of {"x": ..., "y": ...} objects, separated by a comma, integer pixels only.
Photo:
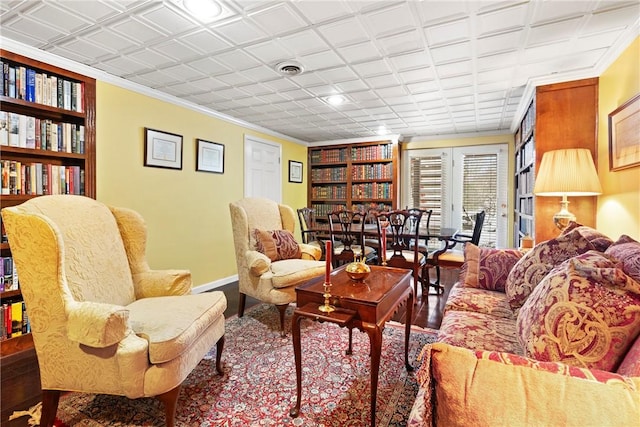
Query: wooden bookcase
[
  {"x": 561, "y": 115},
  {"x": 355, "y": 176},
  {"x": 33, "y": 97}
]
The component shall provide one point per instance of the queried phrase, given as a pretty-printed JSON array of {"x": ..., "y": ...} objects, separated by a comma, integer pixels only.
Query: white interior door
[{"x": 262, "y": 170}]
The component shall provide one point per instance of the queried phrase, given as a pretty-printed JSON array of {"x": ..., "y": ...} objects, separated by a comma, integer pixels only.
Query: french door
[{"x": 456, "y": 183}]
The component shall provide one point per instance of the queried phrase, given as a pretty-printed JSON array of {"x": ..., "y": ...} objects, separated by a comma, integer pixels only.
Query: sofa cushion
[
  {"x": 599, "y": 241},
  {"x": 462, "y": 298},
  {"x": 539, "y": 261},
  {"x": 277, "y": 244},
  {"x": 586, "y": 313},
  {"x": 469, "y": 388},
  {"x": 487, "y": 268},
  {"x": 627, "y": 251},
  {"x": 479, "y": 331}
]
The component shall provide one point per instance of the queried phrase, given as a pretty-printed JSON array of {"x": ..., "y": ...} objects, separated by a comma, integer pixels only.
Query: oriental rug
[{"x": 259, "y": 384}]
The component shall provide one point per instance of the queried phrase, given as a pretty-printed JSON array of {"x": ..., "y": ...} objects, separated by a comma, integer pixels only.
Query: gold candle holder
[{"x": 326, "y": 307}]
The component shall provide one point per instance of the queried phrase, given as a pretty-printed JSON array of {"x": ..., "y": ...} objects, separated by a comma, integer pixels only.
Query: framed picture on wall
[
  {"x": 624, "y": 138},
  {"x": 295, "y": 171},
  {"x": 209, "y": 156},
  {"x": 162, "y": 149}
]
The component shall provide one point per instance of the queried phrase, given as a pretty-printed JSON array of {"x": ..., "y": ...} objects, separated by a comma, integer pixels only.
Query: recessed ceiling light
[
  {"x": 382, "y": 130},
  {"x": 336, "y": 99},
  {"x": 203, "y": 9}
]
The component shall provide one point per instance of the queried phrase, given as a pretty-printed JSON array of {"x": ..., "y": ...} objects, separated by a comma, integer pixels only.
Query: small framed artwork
[
  {"x": 209, "y": 156},
  {"x": 162, "y": 149},
  {"x": 295, "y": 171},
  {"x": 624, "y": 138}
]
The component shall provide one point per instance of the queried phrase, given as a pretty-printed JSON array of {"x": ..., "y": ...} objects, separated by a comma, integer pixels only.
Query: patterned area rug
[{"x": 259, "y": 386}]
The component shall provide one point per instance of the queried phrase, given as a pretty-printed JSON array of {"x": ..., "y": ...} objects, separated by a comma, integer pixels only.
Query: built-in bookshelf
[
  {"x": 560, "y": 115},
  {"x": 525, "y": 176},
  {"x": 357, "y": 176},
  {"x": 47, "y": 146}
]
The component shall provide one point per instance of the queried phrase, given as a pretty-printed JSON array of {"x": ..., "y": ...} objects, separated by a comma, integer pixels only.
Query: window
[{"x": 456, "y": 183}]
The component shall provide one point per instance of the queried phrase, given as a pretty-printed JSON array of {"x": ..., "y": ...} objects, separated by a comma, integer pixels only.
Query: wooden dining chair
[
  {"x": 452, "y": 257},
  {"x": 308, "y": 227},
  {"x": 402, "y": 232},
  {"x": 346, "y": 229}
]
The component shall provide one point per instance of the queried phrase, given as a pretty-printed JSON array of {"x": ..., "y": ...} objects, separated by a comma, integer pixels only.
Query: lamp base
[{"x": 564, "y": 217}]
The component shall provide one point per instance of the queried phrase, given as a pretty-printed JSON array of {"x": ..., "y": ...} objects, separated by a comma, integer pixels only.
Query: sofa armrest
[
  {"x": 257, "y": 262},
  {"x": 481, "y": 388},
  {"x": 310, "y": 252},
  {"x": 96, "y": 324},
  {"x": 157, "y": 283}
]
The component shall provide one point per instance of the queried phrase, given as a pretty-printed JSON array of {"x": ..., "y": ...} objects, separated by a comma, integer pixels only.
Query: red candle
[
  {"x": 328, "y": 252},
  {"x": 384, "y": 245}
]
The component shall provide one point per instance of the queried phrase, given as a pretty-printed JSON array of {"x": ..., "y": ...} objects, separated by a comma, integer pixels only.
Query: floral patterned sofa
[{"x": 549, "y": 337}]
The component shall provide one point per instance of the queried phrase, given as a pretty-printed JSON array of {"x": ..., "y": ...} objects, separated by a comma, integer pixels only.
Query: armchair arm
[
  {"x": 310, "y": 252},
  {"x": 257, "y": 262},
  {"x": 97, "y": 324},
  {"x": 158, "y": 283}
]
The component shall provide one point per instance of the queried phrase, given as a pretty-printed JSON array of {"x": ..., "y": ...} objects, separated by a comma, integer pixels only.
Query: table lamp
[{"x": 568, "y": 172}]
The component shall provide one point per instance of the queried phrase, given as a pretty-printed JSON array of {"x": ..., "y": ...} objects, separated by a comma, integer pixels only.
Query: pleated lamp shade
[{"x": 569, "y": 172}]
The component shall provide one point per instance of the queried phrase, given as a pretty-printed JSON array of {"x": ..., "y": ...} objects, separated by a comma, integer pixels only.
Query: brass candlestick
[{"x": 326, "y": 307}]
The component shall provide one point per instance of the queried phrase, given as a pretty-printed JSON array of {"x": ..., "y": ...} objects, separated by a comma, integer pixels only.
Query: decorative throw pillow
[
  {"x": 627, "y": 252},
  {"x": 487, "y": 268},
  {"x": 585, "y": 313},
  {"x": 539, "y": 261},
  {"x": 522, "y": 391},
  {"x": 596, "y": 238},
  {"x": 277, "y": 244}
]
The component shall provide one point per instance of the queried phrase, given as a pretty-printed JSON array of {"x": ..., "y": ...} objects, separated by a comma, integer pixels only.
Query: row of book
[
  {"x": 18, "y": 130},
  {"x": 373, "y": 171},
  {"x": 375, "y": 190},
  {"x": 329, "y": 192},
  {"x": 372, "y": 152},
  {"x": 41, "y": 178},
  {"x": 338, "y": 155},
  {"x": 8, "y": 275},
  {"x": 30, "y": 85},
  {"x": 14, "y": 320},
  {"x": 329, "y": 174}
]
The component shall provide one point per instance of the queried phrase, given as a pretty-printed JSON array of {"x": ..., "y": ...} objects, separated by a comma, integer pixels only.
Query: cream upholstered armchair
[
  {"x": 102, "y": 320},
  {"x": 265, "y": 275}
]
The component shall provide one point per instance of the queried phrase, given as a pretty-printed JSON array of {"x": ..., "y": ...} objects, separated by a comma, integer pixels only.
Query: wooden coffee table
[{"x": 366, "y": 305}]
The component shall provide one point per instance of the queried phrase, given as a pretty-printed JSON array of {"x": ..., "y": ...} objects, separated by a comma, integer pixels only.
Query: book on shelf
[
  {"x": 16, "y": 319},
  {"x": 4, "y": 128}
]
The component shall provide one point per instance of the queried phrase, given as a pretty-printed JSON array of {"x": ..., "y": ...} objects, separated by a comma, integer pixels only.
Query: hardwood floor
[{"x": 427, "y": 312}]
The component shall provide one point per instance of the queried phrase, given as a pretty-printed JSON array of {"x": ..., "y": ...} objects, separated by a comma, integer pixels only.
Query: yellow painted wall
[
  {"x": 187, "y": 212},
  {"x": 619, "y": 205}
]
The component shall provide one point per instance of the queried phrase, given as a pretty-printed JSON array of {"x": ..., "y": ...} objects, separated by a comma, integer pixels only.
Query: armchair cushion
[
  {"x": 487, "y": 268},
  {"x": 523, "y": 391},
  {"x": 539, "y": 261},
  {"x": 157, "y": 283},
  {"x": 97, "y": 324},
  {"x": 171, "y": 336},
  {"x": 292, "y": 272},
  {"x": 585, "y": 313},
  {"x": 277, "y": 244},
  {"x": 310, "y": 251}
]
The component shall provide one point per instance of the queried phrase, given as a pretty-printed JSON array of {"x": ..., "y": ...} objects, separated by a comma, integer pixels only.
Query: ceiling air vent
[{"x": 290, "y": 68}]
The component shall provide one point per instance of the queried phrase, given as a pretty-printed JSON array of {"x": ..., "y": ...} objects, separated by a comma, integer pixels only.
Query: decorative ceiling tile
[{"x": 420, "y": 68}]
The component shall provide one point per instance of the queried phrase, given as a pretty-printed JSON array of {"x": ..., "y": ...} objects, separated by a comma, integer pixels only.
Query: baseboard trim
[{"x": 215, "y": 284}]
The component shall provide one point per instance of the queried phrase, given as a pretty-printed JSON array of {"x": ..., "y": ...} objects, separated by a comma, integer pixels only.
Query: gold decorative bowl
[{"x": 358, "y": 271}]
